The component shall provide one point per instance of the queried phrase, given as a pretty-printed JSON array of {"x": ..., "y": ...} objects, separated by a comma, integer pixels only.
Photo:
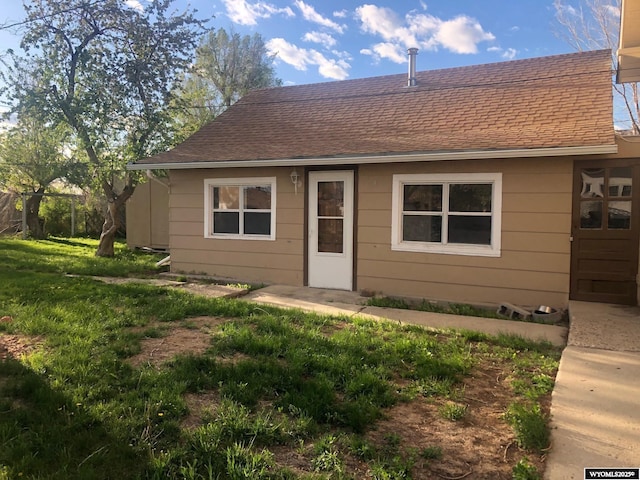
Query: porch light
[{"x": 294, "y": 179}]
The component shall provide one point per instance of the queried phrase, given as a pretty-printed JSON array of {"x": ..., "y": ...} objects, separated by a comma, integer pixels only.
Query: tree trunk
[
  {"x": 112, "y": 218},
  {"x": 34, "y": 224}
]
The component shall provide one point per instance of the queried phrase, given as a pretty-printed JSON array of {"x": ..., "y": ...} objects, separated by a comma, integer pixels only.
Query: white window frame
[
  {"x": 211, "y": 183},
  {"x": 397, "y": 243}
]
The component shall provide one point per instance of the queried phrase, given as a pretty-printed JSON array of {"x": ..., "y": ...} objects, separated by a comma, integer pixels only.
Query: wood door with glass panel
[
  {"x": 330, "y": 233},
  {"x": 604, "y": 248}
]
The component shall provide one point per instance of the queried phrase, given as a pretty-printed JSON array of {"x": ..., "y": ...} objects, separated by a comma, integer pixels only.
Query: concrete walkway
[{"x": 595, "y": 407}]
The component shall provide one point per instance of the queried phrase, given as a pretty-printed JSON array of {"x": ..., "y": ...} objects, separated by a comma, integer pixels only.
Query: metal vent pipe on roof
[{"x": 412, "y": 82}]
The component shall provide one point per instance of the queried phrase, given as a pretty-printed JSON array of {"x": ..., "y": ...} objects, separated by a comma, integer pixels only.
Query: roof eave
[{"x": 396, "y": 158}]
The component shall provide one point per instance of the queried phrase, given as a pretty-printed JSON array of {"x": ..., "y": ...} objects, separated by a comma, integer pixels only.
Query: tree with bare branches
[{"x": 593, "y": 25}]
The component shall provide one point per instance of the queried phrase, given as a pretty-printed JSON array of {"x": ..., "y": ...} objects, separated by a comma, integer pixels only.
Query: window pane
[
  {"x": 592, "y": 182},
  {"x": 421, "y": 228},
  {"x": 619, "y": 215},
  {"x": 620, "y": 182},
  {"x": 330, "y": 235},
  {"x": 226, "y": 222},
  {"x": 257, "y": 223},
  {"x": 422, "y": 198},
  {"x": 330, "y": 199},
  {"x": 257, "y": 198},
  {"x": 473, "y": 230},
  {"x": 226, "y": 198},
  {"x": 470, "y": 198},
  {"x": 591, "y": 214}
]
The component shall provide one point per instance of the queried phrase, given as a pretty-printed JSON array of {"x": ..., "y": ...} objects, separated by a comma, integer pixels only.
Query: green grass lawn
[{"x": 286, "y": 384}]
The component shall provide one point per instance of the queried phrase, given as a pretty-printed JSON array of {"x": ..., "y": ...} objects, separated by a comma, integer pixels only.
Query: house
[
  {"x": 485, "y": 184},
  {"x": 629, "y": 42}
]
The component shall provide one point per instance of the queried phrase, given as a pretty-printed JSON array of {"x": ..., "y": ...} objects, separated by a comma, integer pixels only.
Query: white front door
[{"x": 331, "y": 229}]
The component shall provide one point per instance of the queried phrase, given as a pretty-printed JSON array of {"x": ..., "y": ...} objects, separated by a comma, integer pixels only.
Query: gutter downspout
[{"x": 151, "y": 176}]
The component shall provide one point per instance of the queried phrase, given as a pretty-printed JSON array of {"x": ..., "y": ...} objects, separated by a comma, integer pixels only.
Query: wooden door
[{"x": 604, "y": 248}]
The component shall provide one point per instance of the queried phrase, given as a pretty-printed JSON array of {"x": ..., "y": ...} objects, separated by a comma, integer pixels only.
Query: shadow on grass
[{"x": 43, "y": 434}]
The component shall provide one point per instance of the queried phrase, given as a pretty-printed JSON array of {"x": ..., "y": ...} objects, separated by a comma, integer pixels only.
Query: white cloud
[
  {"x": 340, "y": 14},
  {"x": 459, "y": 35},
  {"x": 135, "y": 4},
  {"x": 323, "y": 39},
  {"x": 462, "y": 35},
  {"x": 387, "y": 50},
  {"x": 246, "y": 13},
  {"x": 302, "y": 58},
  {"x": 309, "y": 13},
  {"x": 509, "y": 54}
]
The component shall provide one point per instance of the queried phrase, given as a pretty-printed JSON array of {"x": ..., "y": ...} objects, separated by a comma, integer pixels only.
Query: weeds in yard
[
  {"x": 530, "y": 425},
  {"x": 426, "y": 306},
  {"x": 524, "y": 470},
  {"x": 453, "y": 411}
]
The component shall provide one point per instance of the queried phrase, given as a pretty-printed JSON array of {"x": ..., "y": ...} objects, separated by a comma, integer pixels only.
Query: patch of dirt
[
  {"x": 193, "y": 336},
  {"x": 199, "y": 405},
  {"x": 14, "y": 346},
  {"x": 479, "y": 446}
]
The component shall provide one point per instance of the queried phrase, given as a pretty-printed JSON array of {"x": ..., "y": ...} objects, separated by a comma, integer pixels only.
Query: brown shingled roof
[{"x": 557, "y": 101}]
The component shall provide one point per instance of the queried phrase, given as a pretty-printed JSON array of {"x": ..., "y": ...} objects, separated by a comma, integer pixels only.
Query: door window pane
[
  {"x": 331, "y": 199},
  {"x": 591, "y": 214},
  {"x": 422, "y": 228},
  {"x": 330, "y": 235},
  {"x": 619, "y": 216},
  {"x": 592, "y": 183},
  {"x": 470, "y": 198},
  {"x": 471, "y": 230},
  {"x": 620, "y": 180},
  {"x": 422, "y": 198}
]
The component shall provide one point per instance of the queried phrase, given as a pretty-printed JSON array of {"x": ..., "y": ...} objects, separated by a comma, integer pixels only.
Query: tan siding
[
  {"x": 186, "y": 214},
  {"x": 469, "y": 294},
  {"x": 536, "y": 203},
  {"x": 534, "y": 222},
  {"x": 374, "y": 218},
  {"x": 198, "y": 242},
  {"x": 267, "y": 261},
  {"x": 535, "y": 256},
  {"x": 533, "y": 261}
]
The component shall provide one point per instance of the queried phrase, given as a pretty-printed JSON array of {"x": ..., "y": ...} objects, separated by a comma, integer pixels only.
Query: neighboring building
[
  {"x": 148, "y": 216},
  {"x": 484, "y": 184}
]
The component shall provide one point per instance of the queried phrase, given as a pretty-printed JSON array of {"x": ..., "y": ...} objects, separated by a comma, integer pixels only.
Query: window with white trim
[
  {"x": 240, "y": 208},
  {"x": 456, "y": 214}
]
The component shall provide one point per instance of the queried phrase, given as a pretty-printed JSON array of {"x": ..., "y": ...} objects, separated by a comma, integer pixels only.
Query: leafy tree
[
  {"x": 593, "y": 25},
  {"x": 107, "y": 70},
  {"x": 227, "y": 66},
  {"x": 31, "y": 157}
]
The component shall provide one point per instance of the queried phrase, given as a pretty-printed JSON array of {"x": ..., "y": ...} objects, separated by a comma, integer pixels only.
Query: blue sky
[
  {"x": 324, "y": 40},
  {"x": 320, "y": 40}
]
